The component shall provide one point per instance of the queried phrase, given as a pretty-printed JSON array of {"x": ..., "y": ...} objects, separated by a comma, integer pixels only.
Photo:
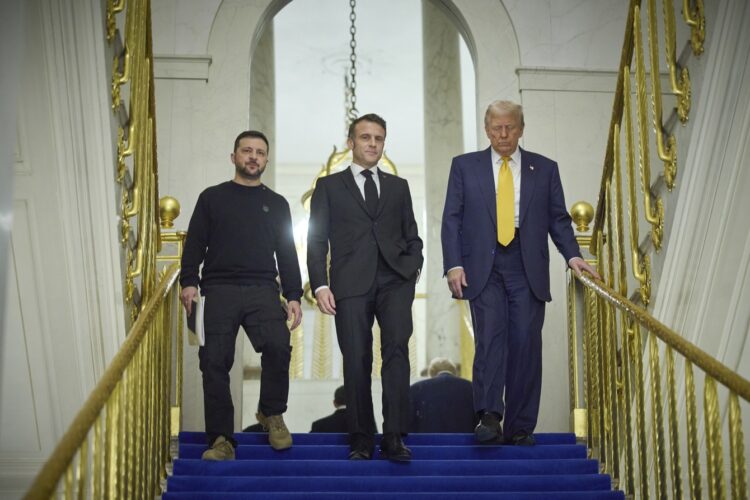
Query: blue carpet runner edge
[{"x": 444, "y": 466}]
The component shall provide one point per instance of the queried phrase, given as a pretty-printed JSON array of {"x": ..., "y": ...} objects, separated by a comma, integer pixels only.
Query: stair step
[
  {"x": 343, "y": 439},
  {"x": 443, "y": 466},
  {"x": 332, "y": 452},
  {"x": 286, "y": 484},
  {"x": 411, "y": 495},
  {"x": 304, "y": 468}
]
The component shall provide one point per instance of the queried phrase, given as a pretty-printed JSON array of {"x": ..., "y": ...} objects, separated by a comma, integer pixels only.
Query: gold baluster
[
  {"x": 377, "y": 363},
  {"x": 680, "y": 86},
  {"x": 696, "y": 19},
  {"x": 641, "y": 263},
  {"x": 610, "y": 352},
  {"x": 113, "y": 8},
  {"x": 69, "y": 482},
  {"x": 654, "y": 215},
  {"x": 297, "y": 364},
  {"x": 657, "y": 419},
  {"x": 714, "y": 456},
  {"x": 626, "y": 383},
  {"x": 82, "y": 469},
  {"x": 97, "y": 458},
  {"x": 666, "y": 148},
  {"x": 175, "y": 420},
  {"x": 674, "y": 431},
  {"x": 691, "y": 417},
  {"x": 737, "y": 449},
  {"x": 636, "y": 354}
]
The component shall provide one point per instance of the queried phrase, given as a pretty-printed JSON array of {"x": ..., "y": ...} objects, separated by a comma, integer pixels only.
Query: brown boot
[
  {"x": 221, "y": 449},
  {"x": 278, "y": 434}
]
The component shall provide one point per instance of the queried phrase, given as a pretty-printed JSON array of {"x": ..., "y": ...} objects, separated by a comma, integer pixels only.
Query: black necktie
[{"x": 371, "y": 193}]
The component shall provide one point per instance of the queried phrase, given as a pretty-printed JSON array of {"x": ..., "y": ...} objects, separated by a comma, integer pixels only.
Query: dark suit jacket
[
  {"x": 442, "y": 404},
  {"x": 336, "y": 422},
  {"x": 338, "y": 213},
  {"x": 469, "y": 232}
]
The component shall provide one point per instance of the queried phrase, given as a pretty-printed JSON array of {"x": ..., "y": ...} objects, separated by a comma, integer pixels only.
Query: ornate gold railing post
[
  {"x": 582, "y": 214},
  {"x": 169, "y": 210}
]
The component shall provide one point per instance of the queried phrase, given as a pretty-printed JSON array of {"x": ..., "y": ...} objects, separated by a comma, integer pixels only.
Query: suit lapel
[
  {"x": 351, "y": 186},
  {"x": 487, "y": 182},
  {"x": 386, "y": 190},
  {"x": 528, "y": 180}
]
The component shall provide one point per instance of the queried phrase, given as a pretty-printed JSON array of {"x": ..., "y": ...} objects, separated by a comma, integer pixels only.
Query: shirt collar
[
  {"x": 358, "y": 169},
  {"x": 516, "y": 156}
]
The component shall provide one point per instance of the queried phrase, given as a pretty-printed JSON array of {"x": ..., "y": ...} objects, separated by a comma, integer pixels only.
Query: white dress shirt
[{"x": 360, "y": 179}]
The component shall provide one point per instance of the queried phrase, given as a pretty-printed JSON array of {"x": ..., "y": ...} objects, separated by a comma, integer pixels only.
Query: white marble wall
[
  {"x": 568, "y": 33},
  {"x": 443, "y": 136},
  {"x": 11, "y": 39},
  {"x": 62, "y": 318}
]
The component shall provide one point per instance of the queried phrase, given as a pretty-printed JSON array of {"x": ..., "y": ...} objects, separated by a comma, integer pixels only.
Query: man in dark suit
[
  {"x": 367, "y": 218},
  {"x": 443, "y": 402},
  {"x": 335, "y": 422},
  {"x": 501, "y": 205}
]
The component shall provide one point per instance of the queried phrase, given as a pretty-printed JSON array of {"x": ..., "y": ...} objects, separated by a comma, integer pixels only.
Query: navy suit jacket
[
  {"x": 469, "y": 231},
  {"x": 443, "y": 403}
]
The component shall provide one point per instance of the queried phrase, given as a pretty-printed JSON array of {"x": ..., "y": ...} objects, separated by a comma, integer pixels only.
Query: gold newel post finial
[
  {"x": 582, "y": 213},
  {"x": 169, "y": 210}
]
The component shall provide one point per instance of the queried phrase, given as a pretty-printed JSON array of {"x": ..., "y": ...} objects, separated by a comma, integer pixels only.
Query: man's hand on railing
[
  {"x": 294, "y": 313},
  {"x": 578, "y": 265},
  {"x": 188, "y": 294}
]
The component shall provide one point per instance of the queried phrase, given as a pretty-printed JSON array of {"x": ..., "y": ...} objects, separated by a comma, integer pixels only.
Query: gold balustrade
[
  {"x": 633, "y": 386},
  {"x": 643, "y": 360},
  {"x": 136, "y": 169},
  {"x": 118, "y": 444}
]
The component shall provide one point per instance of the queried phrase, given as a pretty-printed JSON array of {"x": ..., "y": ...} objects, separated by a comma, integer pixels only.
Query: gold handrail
[
  {"x": 127, "y": 364},
  {"x": 696, "y": 355},
  {"x": 618, "y": 425}
]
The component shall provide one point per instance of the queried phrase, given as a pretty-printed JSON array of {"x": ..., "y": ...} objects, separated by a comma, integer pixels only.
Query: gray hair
[
  {"x": 504, "y": 108},
  {"x": 438, "y": 365}
]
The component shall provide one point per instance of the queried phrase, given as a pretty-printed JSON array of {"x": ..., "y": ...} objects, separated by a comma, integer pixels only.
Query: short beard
[{"x": 245, "y": 175}]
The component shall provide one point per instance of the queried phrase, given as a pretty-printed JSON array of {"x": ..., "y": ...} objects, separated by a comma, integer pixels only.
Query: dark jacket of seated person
[
  {"x": 336, "y": 422},
  {"x": 442, "y": 404}
]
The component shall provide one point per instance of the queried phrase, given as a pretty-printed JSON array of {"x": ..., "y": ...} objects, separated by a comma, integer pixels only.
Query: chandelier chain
[{"x": 352, "y": 111}]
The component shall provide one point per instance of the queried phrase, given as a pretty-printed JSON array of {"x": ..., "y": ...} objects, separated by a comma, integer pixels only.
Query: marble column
[
  {"x": 443, "y": 140},
  {"x": 263, "y": 97}
]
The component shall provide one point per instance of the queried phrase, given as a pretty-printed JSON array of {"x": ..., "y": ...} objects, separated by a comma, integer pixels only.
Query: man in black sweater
[{"x": 236, "y": 230}]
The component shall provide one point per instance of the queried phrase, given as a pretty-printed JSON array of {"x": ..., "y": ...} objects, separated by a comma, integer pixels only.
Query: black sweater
[{"x": 235, "y": 231}]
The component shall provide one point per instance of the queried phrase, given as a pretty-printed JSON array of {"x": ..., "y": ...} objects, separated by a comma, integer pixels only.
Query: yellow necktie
[{"x": 505, "y": 201}]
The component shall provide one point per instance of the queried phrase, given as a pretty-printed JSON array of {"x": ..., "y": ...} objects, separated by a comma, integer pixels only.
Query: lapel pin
[
  {"x": 531, "y": 167},
  {"x": 265, "y": 208}
]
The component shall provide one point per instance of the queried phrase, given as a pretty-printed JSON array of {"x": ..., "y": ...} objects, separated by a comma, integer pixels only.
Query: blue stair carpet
[{"x": 443, "y": 466}]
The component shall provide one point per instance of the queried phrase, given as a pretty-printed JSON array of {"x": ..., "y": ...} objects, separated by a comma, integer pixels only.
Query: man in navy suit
[
  {"x": 502, "y": 268},
  {"x": 443, "y": 402}
]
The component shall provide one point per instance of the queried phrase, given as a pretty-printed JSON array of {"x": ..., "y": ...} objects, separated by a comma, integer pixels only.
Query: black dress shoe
[
  {"x": 522, "y": 438},
  {"x": 489, "y": 429},
  {"x": 360, "y": 447},
  {"x": 392, "y": 448}
]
